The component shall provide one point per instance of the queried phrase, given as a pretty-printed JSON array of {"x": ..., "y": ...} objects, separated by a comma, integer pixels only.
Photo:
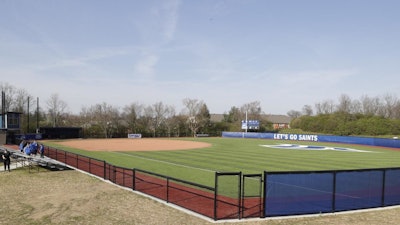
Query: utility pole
[
  {"x": 27, "y": 127},
  {"x": 3, "y": 109},
  {"x": 247, "y": 124},
  {"x": 37, "y": 115}
]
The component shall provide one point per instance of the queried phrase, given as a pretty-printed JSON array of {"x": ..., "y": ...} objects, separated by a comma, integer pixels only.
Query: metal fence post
[
  {"x": 167, "y": 189},
  {"x": 215, "y": 195},
  {"x": 334, "y": 193},
  {"x": 90, "y": 165},
  {"x": 133, "y": 179},
  {"x": 383, "y": 187},
  {"x": 240, "y": 195},
  {"x": 104, "y": 169},
  {"x": 264, "y": 198}
]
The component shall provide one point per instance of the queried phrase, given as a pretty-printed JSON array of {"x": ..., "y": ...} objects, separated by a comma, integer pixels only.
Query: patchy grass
[{"x": 70, "y": 197}]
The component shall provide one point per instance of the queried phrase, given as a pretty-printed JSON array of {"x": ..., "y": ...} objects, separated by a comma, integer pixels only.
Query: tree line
[
  {"x": 371, "y": 116},
  {"x": 364, "y": 116},
  {"x": 103, "y": 120}
]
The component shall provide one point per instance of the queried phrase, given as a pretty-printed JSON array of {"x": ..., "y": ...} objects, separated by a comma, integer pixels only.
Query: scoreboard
[{"x": 251, "y": 124}]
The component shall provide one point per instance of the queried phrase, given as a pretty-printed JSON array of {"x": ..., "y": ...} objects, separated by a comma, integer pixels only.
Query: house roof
[{"x": 278, "y": 118}]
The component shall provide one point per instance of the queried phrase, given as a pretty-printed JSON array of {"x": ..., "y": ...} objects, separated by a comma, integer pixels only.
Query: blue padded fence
[
  {"x": 294, "y": 193},
  {"x": 392, "y": 187},
  {"x": 383, "y": 142},
  {"x": 358, "y": 190},
  {"x": 298, "y": 193}
]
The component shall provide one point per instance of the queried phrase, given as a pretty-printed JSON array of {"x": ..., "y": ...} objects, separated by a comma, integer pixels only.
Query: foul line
[{"x": 166, "y": 162}]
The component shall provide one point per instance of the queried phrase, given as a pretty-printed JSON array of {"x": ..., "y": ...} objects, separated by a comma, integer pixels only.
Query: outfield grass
[{"x": 246, "y": 155}]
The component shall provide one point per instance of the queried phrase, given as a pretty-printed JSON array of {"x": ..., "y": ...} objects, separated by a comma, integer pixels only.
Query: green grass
[{"x": 246, "y": 155}]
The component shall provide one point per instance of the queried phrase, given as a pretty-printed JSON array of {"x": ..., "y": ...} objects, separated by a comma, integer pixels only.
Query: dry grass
[{"x": 70, "y": 197}]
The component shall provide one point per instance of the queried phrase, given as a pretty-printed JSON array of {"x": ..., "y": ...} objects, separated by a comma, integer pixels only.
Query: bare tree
[
  {"x": 325, "y": 107},
  {"x": 56, "y": 108},
  {"x": 370, "y": 106},
  {"x": 253, "y": 110},
  {"x": 193, "y": 107},
  {"x": 85, "y": 118},
  {"x": 15, "y": 99},
  {"x": 132, "y": 113},
  {"x": 170, "y": 121},
  {"x": 294, "y": 114},
  {"x": 9, "y": 92},
  {"x": 307, "y": 110},
  {"x": 344, "y": 104},
  {"x": 159, "y": 113},
  {"x": 397, "y": 111},
  {"x": 21, "y": 99},
  {"x": 390, "y": 101},
  {"x": 356, "y": 106},
  {"x": 104, "y": 116}
]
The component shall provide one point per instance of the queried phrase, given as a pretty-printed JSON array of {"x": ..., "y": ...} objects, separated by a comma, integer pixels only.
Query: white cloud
[
  {"x": 171, "y": 9},
  {"x": 321, "y": 77},
  {"x": 85, "y": 58},
  {"x": 145, "y": 65},
  {"x": 157, "y": 25}
]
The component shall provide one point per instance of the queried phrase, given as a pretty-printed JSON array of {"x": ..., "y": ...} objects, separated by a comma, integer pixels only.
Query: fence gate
[
  {"x": 227, "y": 197},
  {"x": 251, "y": 202}
]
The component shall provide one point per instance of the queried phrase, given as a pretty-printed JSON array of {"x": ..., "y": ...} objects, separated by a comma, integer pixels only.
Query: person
[
  {"x": 22, "y": 145},
  {"x": 34, "y": 148},
  {"x": 27, "y": 148},
  {"x": 6, "y": 159},
  {"x": 41, "y": 150}
]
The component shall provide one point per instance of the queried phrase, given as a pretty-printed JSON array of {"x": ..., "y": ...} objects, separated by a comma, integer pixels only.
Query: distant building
[{"x": 279, "y": 121}]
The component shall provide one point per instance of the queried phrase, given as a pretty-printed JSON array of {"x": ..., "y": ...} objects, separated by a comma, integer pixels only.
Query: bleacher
[{"x": 20, "y": 159}]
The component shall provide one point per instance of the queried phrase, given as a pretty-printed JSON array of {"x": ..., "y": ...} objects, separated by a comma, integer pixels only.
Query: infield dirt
[{"x": 126, "y": 144}]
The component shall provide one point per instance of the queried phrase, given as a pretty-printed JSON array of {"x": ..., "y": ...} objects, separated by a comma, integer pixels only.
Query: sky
[{"x": 282, "y": 53}]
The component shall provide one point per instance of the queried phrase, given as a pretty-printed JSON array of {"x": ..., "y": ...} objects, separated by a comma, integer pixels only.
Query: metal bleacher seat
[{"x": 32, "y": 161}]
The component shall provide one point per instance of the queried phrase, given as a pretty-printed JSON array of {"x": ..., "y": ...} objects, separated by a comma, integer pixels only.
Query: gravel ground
[{"x": 70, "y": 197}]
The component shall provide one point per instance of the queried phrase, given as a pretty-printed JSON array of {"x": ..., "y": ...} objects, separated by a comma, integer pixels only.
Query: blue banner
[{"x": 383, "y": 142}]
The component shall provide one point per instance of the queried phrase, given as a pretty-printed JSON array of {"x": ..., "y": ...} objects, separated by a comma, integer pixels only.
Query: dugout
[{"x": 61, "y": 132}]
